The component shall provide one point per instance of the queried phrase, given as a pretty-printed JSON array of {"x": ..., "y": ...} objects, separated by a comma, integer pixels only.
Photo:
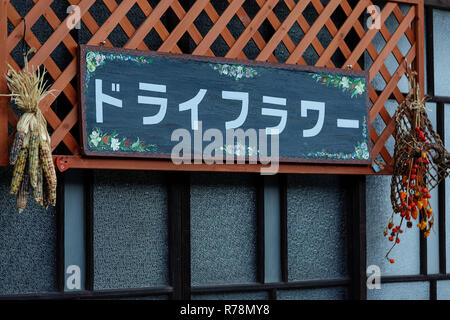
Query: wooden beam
[
  {"x": 3, "y": 86},
  {"x": 166, "y": 165}
]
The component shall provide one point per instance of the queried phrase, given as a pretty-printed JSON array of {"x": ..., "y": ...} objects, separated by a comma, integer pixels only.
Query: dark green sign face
[{"x": 132, "y": 102}]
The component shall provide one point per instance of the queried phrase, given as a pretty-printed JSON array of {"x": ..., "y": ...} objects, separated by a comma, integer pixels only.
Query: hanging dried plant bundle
[
  {"x": 30, "y": 152},
  {"x": 420, "y": 164}
]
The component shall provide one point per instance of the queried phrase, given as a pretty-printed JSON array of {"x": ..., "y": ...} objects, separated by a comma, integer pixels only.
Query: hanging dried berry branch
[
  {"x": 30, "y": 153},
  {"x": 420, "y": 163}
]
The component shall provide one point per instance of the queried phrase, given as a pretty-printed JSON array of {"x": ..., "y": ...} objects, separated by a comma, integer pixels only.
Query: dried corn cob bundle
[
  {"x": 16, "y": 147},
  {"x": 32, "y": 142},
  {"x": 22, "y": 196},
  {"x": 49, "y": 172},
  {"x": 33, "y": 158},
  {"x": 48, "y": 199},
  {"x": 19, "y": 170}
]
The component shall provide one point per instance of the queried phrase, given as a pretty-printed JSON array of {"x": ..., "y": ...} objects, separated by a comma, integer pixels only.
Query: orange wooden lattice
[{"x": 364, "y": 53}]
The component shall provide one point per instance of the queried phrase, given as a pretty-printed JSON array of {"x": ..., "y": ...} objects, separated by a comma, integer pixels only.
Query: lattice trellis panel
[{"x": 333, "y": 34}]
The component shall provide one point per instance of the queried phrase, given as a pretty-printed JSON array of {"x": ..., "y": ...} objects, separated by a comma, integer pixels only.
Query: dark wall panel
[
  {"x": 317, "y": 228},
  {"x": 130, "y": 230},
  {"x": 27, "y": 244},
  {"x": 223, "y": 229}
]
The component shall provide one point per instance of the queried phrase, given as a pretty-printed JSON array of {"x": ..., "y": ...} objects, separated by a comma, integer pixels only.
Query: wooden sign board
[{"x": 133, "y": 101}]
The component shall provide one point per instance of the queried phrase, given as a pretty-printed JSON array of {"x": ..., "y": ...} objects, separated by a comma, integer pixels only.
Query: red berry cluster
[{"x": 414, "y": 195}]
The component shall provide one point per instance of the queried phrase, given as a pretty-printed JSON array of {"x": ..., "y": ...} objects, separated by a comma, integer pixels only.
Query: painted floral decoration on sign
[
  {"x": 354, "y": 86},
  {"x": 235, "y": 71},
  {"x": 361, "y": 149},
  {"x": 238, "y": 150},
  {"x": 96, "y": 59},
  {"x": 99, "y": 141}
]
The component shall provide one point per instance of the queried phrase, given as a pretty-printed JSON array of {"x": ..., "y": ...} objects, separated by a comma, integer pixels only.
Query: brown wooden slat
[
  {"x": 49, "y": 63},
  {"x": 419, "y": 27},
  {"x": 53, "y": 21},
  {"x": 251, "y": 29},
  {"x": 102, "y": 33},
  {"x": 124, "y": 23},
  {"x": 56, "y": 37},
  {"x": 311, "y": 34},
  {"x": 373, "y": 96},
  {"x": 383, "y": 137},
  {"x": 59, "y": 84},
  {"x": 12, "y": 116},
  {"x": 31, "y": 17},
  {"x": 286, "y": 40},
  {"x": 379, "y": 105},
  {"x": 383, "y": 112},
  {"x": 282, "y": 31},
  {"x": 401, "y": 69},
  {"x": 183, "y": 25},
  {"x": 53, "y": 71},
  {"x": 89, "y": 22},
  {"x": 409, "y": 33},
  {"x": 159, "y": 26},
  {"x": 226, "y": 34},
  {"x": 383, "y": 152},
  {"x": 391, "y": 43},
  {"x": 369, "y": 35},
  {"x": 148, "y": 24},
  {"x": 69, "y": 121},
  {"x": 305, "y": 28},
  {"x": 342, "y": 33},
  {"x": 3, "y": 86},
  {"x": 329, "y": 25},
  {"x": 256, "y": 37},
  {"x": 218, "y": 28},
  {"x": 69, "y": 140},
  {"x": 372, "y": 53},
  {"x": 112, "y": 21},
  {"x": 192, "y": 29}
]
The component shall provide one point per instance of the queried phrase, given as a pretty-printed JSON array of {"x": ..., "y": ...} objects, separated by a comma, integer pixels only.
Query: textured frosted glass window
[
  {"x": 263, "y": 295},
  {"x": 130, "y": 230},
  {"x": 443, "y": 290},
  {"x": 223, "y": 228},
  {"x": 334, "y": 293},
  {"x": 400, "y": 291},
  {"x": 378, "y": 212},
  {"x": 27, "y": 244},
  {"x": 317, "y": 227},
  {"x": 441, "y": 25}
]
